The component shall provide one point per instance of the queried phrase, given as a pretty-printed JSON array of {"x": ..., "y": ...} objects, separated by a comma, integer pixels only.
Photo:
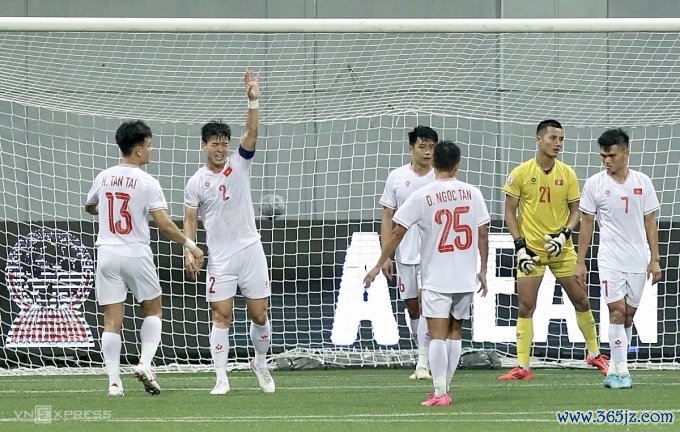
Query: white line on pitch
[{"x": 348, "y": 387}]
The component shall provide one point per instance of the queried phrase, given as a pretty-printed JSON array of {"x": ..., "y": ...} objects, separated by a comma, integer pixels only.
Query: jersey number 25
[{"x": 452, "y": 221}]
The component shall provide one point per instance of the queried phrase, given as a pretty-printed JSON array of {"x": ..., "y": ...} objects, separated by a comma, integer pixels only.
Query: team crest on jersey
[
  {"x": 509, "y": 180},
  {"x": 637, "y": 191},
  {"x": 533, "y": 179},
  {"x": 607, "y": 192},
  {"x": 408, "y": 183},
  {"x": 207, "y": 185},
  {"x": 559, "y": 182}
]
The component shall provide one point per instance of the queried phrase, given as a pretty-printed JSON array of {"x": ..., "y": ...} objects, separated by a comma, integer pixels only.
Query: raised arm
[{"x": 249, "y": 138}]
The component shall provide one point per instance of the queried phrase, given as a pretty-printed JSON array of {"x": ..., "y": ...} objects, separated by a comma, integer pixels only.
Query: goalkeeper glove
[
  {"x": 526, "y": 258},
  {"x": 555, "y": 242}
]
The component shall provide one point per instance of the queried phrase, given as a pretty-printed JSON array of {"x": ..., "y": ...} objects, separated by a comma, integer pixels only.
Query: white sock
[
  {"x": 439, "y": 359},
  {"x": 455, "y": 346},
  {"x": 150, "y": 335},
  {"x": 219, "y": 349},
  {"x": 111, "y": 345},
  {"x": 629, "y": 334},
  {"x": 414, "y": 330},
  {"x": 423, "y": 343},
  {"x": 618, "y": 344},
  {"x": 622, "y": 368},
  {"x": 260, "y": 335}
]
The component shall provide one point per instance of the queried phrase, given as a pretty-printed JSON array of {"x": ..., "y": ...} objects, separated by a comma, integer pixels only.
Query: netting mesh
[
  {"x": 335, "y": 109},
  {"x": 591, "y": 79}
]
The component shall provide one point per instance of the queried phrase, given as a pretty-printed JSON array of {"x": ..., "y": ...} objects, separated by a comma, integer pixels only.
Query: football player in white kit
[
  {"x": 624, "y": 203},
  {"x": 400, "y": 184},
  {"x": 124, "y": 196},
  {"x": 219, "y": 193},
  {"x": 453, "y": 223}
]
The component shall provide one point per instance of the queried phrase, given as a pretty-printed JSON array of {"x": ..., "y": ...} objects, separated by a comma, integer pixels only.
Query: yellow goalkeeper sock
[
  {"x": 525, "y": 336},
  {"x": 586, "y": 322}
]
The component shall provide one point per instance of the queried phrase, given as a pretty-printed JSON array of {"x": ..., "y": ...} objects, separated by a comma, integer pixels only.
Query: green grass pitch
[{"x": 337, "y": 400}]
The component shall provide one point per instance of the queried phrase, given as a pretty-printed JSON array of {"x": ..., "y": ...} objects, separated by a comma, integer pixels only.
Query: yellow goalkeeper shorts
[{"x": 561, "y": 266}]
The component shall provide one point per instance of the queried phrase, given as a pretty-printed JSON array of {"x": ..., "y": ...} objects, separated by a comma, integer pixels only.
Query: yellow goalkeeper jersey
[{"x": 543, "y": 199}]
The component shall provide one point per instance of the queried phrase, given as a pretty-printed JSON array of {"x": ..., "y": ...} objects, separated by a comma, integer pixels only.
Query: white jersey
[
  {"x": 125, "y": 195},
  {"x": 447, "y": 213},
  {"x": 620, "y": 210},
  {"x": 400, "y": 184},
  {"x": 224, "y": 204}
]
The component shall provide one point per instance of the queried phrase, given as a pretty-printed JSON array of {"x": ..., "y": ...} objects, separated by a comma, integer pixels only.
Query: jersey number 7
[
  {"x": 122, "y": 226},
  {"x": 452, "y": 221}
]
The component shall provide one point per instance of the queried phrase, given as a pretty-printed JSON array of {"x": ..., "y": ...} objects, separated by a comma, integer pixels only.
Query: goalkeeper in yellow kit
[{"x": 546, "y": 191}]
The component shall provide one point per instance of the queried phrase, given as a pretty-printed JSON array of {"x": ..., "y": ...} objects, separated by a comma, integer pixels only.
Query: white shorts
[
  {"x": 443, "y": 305},
  {"x": 408, "y": 276},
  {"x": 616, "y": 285},
  {"x": 246, "y": 269},
  {"x": 120, "y": 268}
]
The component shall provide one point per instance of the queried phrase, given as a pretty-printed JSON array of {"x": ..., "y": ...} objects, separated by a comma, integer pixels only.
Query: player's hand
[
  {"x": 251, "y": 81},
  {"x": 193, "y": 261},
  {"x": 580, "y": 274},
  {"x": 198, "y": 256},
  {"x": 371, "y": 275},
  {"x": 481, "y": 277},
  {"x": 526, "y": 258},
  {"x": 387, "y": 269},
  {"x": 555, "y": 242},
  {"x": 654, "y": 269}
]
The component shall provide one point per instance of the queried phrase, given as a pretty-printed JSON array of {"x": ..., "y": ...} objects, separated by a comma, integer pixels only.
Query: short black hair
[
  {"x": 424, "y": 133},
  {"x": 215, "y": 128},
  {"x": 131, "y": 134},
  {"x": 545, "y": 124},
  {"x": 616, "y": 136},
  {"x": 446, "y": 155}
]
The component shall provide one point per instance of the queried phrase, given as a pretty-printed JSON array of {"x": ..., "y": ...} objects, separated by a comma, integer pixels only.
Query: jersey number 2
[
  {"x": 124, "y": 225},
  {"x": 452, "y": 220},
  {"x": 225, "y": 192}
]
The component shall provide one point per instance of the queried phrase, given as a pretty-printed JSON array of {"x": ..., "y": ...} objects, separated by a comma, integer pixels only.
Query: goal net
[{"x": 336, "y": 106}]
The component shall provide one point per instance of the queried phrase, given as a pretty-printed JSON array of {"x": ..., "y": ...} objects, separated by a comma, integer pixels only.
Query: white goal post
[
  {"x": 339, "y": 25},
  {"x": 338, "y": 97}
]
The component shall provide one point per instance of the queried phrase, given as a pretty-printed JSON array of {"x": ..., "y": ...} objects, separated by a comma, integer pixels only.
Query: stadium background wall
[
  {"x": 306, "y": 259},
  {"x": 344, "y": 9}
]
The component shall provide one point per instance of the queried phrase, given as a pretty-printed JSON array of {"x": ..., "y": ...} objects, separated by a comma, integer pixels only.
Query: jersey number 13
[{"x": 124, "y": 225}]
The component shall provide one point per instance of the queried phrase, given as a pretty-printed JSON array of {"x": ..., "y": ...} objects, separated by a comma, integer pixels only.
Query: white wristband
[
  {"x": 253, "y": 104},
  {"x": 189, "y": 244}
]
